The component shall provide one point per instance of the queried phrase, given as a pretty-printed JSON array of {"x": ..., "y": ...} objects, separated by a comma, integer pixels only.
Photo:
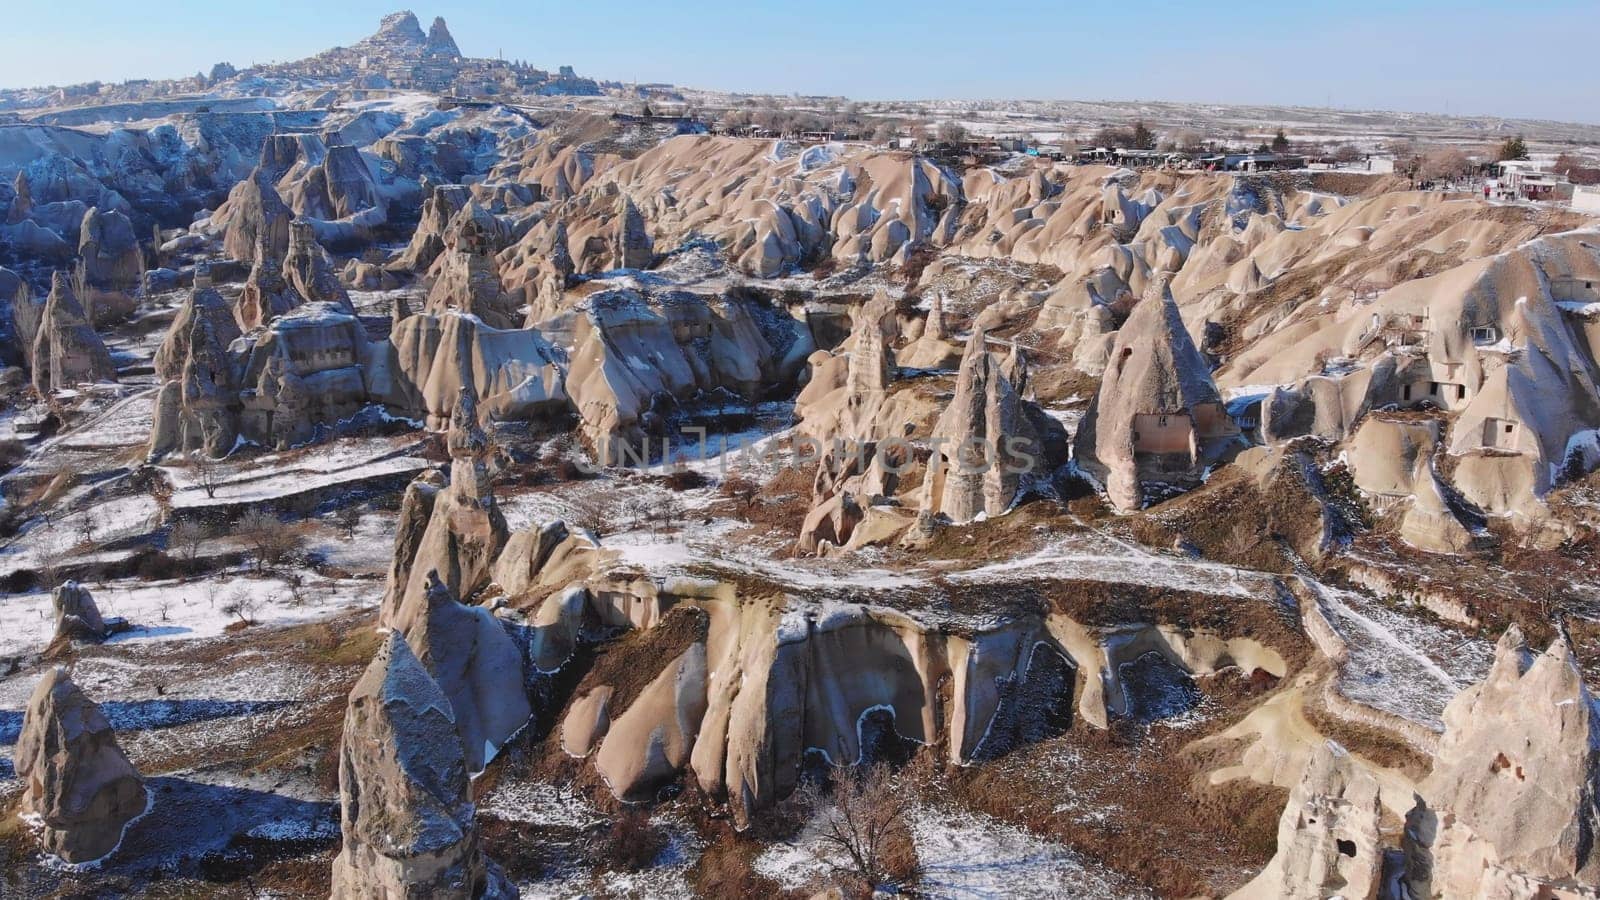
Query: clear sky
[{"x": 1533, "y": 59}]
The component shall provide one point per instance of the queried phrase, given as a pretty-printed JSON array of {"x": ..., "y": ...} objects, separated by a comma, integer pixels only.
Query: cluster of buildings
[{"x": 1527, "y": 179}]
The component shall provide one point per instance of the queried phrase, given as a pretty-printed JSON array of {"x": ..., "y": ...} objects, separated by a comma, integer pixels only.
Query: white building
[
  {"x": 1526, "y": 179},
  {"x": 1586, "y": 198}
]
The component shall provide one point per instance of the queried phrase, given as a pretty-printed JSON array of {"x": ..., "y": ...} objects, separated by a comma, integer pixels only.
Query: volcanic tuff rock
[
  {"x": 312, "y": 365},
  {"x": 1513, "y": 802},
  {"x": 439, "y": 208},
  {"x": 739, "y": 688},
  {"x": 853, "y": 502},
  {"x": 66, "y": 349},
  {"x": 630, "y": 245},
  {"x": 989, "y": 438},
  {"x": 416, "y": 511},
  {"x": 75, "y": 777},
  {"x": 309, "y": 271},
  {"x": 303, "y": 370},
  {"x": 636, "y": 357},
  {"x": 197, "y": 405},
  {"x": 406, "y": 813},
  {"x": 1157, "y": 418},
  {"x": 440, "y": 43},
  {"x": 301, "y": 176},
  {"x": 474, "y": 661},
  {"x": 254, "y": 216},
  {"x": 267, "y": 294},
  {"x": 1503, "y": 345},
  {"x": 468, "y": 277},
  {"x": 830, "y": 523},
  {"x": 1395, "y": 459},
  {"x": 77, "y": 616},
  {"x": 848, "y": 396},
  {"x": 933, "y": 348},
  {"x": 513, "y": 374},
  {"x": 537, "y": 270},
  {"x": 465, "y": 529},
  {"x": 1328, "y": 839},
  {"x": 112, "y": 260}
]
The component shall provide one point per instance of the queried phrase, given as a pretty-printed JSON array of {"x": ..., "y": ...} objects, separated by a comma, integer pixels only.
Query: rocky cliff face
[
  {"x": 513, "y": 374},
  {"x": 253, "y": 217},
  {"x": 739, "y": 688},
  {"x": 1328, "y": 837},
  {"x": 75, "y": 777},
  {"x": 693, "y": 347},
  {"x": 300, "y": 176},
  {"x": 439, "y": 42},
  {"x": 406, "y": 813},
  {"x": 631, "y": 247},
  {"x": 476, "y": 664},
  {"x": 848, "y": 396},
  {"x": 309, "y": 271},
  {"x": 77, "y": 616},
  {"x": 197, "y": 406},
  {"x": 1513, "y": 802},
  {"x": 267, "y": 294},
  {"x": 468, "y": 277},
  {"x": 304, "y": 370},
  {"x": 112, "y": 259},
  {"x": 465, "y": 530}
]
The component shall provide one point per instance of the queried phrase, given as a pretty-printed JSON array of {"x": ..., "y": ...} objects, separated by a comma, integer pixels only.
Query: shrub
[
  {"x": 684, "y": 480},
  {"x": 631, "y": 843}
]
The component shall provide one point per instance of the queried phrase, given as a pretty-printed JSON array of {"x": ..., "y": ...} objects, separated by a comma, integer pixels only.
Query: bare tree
[
  {"x": 591, "y": 511},
  {"x": 638, "y": 510},
  {"x": 244, "y": 604},
  {"x": 49, "y": 566},
  {"x": 666, "y": 510},
  {"x": 951, "y": 133},
  {"x": 207, "y": 472},
  {"x": 185, "y": 537},
  {"x": 299, "y": 591},
  {"x": 348, "y": 519},
  {"x": 1444, "y": 163},
  {"x": 742, "y": 488},
  {"x": 868, "y": 824},
  {"x": 86, "y": 527},
  {"x": 1347, "y": 153},
  {"x": 269, "y": 540}
]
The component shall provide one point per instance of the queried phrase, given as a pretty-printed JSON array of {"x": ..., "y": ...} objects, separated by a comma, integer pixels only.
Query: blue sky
[{"x": 1535, "y": 59}]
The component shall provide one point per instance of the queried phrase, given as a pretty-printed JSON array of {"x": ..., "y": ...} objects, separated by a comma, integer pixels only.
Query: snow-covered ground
[
  {"x": 199, "y": 608},
  {"x": 1097, "y": 556},
  {"x": 964, "y": 856},
  {"x": 567, "y": 823},
  {"x": 1400, "y": 664},
  {"x": 275, "y": 476}
]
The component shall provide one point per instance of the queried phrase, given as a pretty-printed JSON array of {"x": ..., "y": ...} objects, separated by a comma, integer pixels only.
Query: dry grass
[
  {"x": 726, "y": 868},
  {"x": 1375, "y": 744},
  {"x": 628, "y": 664},
  {"x": 1139, "y": 805},
  {"x": 1098, "y": 603}
]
